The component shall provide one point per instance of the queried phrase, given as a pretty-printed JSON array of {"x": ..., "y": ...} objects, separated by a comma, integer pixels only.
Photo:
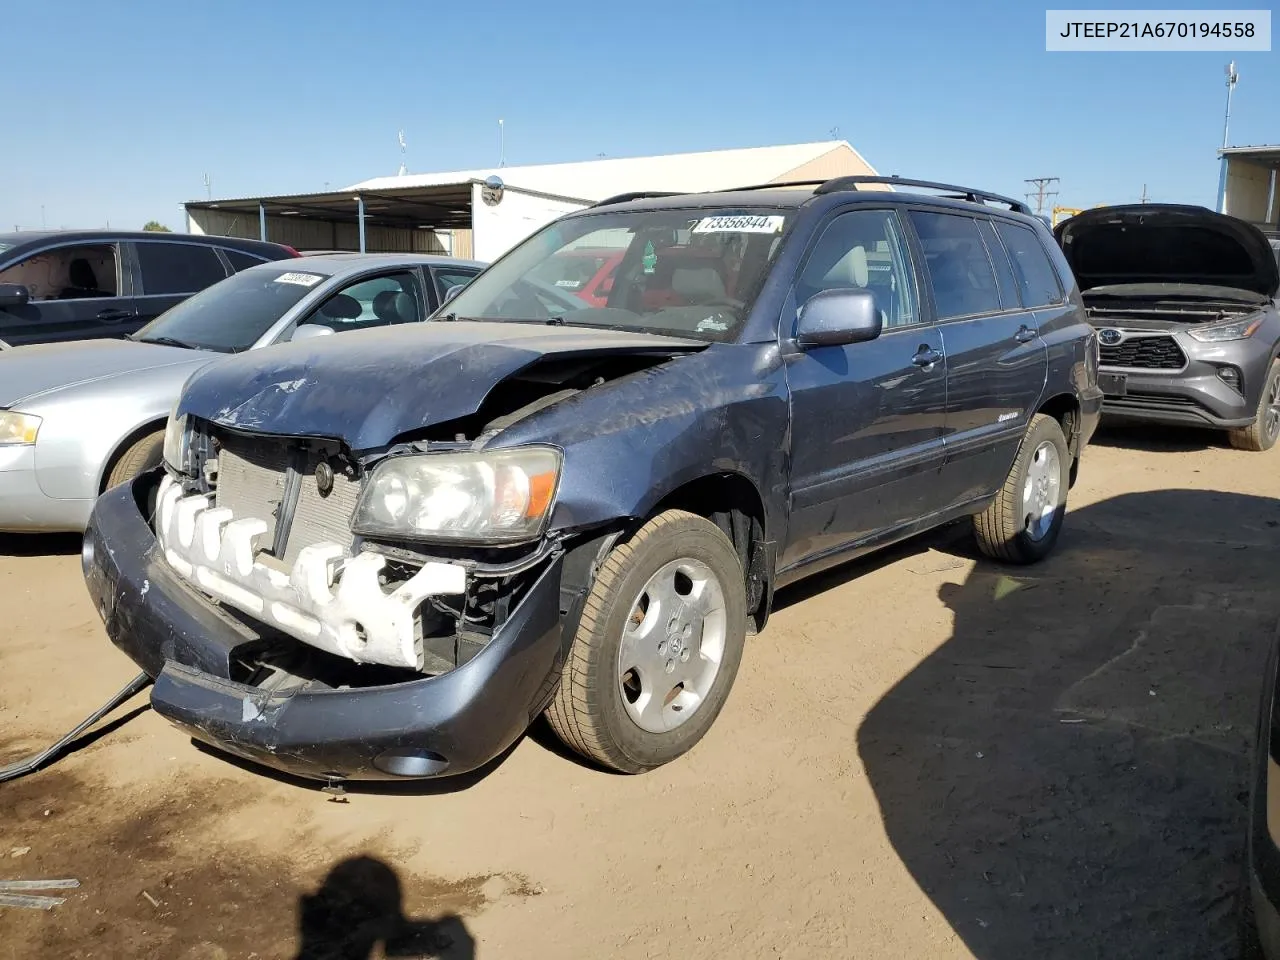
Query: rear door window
[
  {"x": 177, "y": 268},
  {"x": 960, "y": 273},
  {"x": 1036, "y": 276},
  {"x": 446, "y": 278}
]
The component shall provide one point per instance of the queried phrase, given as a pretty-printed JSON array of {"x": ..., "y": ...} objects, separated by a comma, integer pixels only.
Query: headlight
[
  {"x": 502, "y": 496},
  {"x": 1234, "y": 330},
  {"x": 18, "y": 428},
  {"x": 175, "y": 442}
]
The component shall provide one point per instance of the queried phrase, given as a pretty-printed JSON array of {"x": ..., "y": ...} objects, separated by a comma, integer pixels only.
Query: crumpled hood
[
  {"x": 369, "y": 387},
  {"x": 1167, "y": 244},
  {"x": 39, "y": 368}
]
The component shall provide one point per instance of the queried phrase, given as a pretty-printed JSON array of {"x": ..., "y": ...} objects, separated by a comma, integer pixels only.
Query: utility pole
[
  {"x": 502, "y": 147},
  {"x": 1040, "y": 191},
  {"x": 208, "y": 187},
  {"x": 1144, "y": 198}
]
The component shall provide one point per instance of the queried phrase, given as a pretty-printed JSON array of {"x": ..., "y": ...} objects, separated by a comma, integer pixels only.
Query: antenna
[
  {"x": 1144, "y": 198},
  {"x": 1040, "y": 191},
  {"x": 1232, "y": 77},
  {"x": 208, "y": 187},
  {"x": 403, "y": 167},
  {"x": 502, "y": 148}
]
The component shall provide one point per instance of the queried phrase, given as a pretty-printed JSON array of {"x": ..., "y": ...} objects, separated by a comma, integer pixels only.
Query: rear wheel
[
  {"x": 657, "y": 647},
  {"x": 1023, "y": 522},
  {"x": 138, "y": 458},
  {"x": 1265, "y": 429}
]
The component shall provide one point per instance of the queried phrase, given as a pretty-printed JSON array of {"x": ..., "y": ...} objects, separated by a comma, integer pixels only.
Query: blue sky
[{"x": 115, "y": 112}]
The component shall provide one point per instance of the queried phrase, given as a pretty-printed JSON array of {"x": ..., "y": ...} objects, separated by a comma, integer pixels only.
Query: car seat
[
  {"x": 84, "y": 283},
  {"x": 853, "y": 272},
  {"x": 394, "y": 306}
]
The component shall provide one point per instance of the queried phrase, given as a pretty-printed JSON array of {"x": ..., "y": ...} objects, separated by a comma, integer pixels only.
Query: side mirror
[
  {"x": 452, "y": 292},
  {"x": 14, "y": 295},
  {"x": 834, "y": 318},
  {"x": 309, "y": 331}
]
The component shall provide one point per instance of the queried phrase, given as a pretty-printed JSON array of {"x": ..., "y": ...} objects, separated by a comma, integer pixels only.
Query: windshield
[
  {"x": 233, "y": 314},
  {"x": 679, "y": 272}
]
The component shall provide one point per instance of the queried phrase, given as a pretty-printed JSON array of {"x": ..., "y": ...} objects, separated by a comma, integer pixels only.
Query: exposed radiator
[{"x": 252, "y": 482}]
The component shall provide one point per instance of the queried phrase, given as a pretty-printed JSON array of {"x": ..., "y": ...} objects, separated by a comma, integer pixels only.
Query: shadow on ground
[
  {"x": 359, "y": 907},
  {"x": 39, "y": 544},
  {"x": 1158, "y": 438},
  {"x": 1067, "y": 775}
]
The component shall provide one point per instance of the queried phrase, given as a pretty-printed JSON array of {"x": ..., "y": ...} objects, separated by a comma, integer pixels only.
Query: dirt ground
[{"x": 923, "y": 756}]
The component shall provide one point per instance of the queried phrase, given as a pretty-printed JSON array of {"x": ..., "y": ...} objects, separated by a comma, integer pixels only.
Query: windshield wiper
[{"x": 168, "y": 342}]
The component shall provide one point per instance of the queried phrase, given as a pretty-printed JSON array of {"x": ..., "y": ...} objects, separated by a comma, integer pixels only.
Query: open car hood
[
  {"x": 1167, "y": 244},
  {"x": 369, "y": 387}
]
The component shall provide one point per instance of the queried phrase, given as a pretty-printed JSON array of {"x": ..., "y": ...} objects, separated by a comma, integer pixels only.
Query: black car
[
  {"x": 383, "y": 555},
  {"x": 1184, "y": 302},
  {"x": 82, "y": 284}
]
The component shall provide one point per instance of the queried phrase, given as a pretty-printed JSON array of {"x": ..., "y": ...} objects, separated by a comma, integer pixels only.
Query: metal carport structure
[{"x": 436, "y": 218}]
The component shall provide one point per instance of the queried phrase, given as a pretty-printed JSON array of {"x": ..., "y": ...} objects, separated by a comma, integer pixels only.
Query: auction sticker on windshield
[
  {"x": 741, "y": 224},
  {"x": 300, "y": 279}
]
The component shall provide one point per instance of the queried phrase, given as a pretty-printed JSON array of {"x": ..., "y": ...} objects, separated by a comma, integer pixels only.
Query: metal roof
[
  {"x": 1261, "y": 154},
  {"x": 597, "y": 179}
]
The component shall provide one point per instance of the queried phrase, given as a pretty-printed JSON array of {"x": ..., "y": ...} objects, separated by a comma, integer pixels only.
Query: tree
[{"x": 155, "y": 226}]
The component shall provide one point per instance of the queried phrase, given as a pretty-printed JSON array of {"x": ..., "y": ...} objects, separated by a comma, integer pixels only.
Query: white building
[
  {"x": 449, "y": 212},
  {"x": 1247, "y": 185}
]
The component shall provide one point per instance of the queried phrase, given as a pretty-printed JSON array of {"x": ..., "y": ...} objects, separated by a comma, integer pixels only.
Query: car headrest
[
  {"x": 851, "y": 268},
  {"x": 393, "y": 306},
  {"x": 342, "y": 307},
  {"x": 697, "y": 282}
]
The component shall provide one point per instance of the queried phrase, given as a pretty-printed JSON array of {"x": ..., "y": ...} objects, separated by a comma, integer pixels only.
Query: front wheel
[
  {"x": 1265, "y": 429},
  {"x": 657, "y": 647},
  {"x": 1023, "y": 522}
]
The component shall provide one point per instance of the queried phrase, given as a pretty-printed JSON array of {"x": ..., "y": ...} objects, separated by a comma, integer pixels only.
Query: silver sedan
[{"x": 80, "y": 417}]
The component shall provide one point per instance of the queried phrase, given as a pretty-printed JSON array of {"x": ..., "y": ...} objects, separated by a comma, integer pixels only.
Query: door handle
[
  {"x": 926, "y": 356},
  {"x": 1025, "y": 334},
  {"x": 112, "y": 315}
]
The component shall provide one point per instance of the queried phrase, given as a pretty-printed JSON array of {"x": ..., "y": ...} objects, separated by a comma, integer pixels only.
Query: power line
[{"x": 1040, "y": 191}]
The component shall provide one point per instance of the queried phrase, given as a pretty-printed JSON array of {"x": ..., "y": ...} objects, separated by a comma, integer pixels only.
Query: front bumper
[
  {"x": 24, "y": 507},
  {"x": 1196, "y": 396},
  {"x": 447, "y": 724}
]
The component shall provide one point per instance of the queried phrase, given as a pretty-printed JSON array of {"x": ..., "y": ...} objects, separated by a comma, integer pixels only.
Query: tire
[
  {"x": 144, "y": 454},
  {"x": 1006, "y": 530},
  {"x": 619, "y": 671},
  {"x": 1265, "y": 430}
]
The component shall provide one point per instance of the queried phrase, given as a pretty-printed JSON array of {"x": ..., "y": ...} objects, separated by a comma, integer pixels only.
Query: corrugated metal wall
[{"x": 315, "y": 234}]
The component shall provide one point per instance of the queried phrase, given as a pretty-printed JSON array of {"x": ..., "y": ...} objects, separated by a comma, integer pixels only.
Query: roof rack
[
  {"x": 637, "y": 195},
  {"x": 954, "y": 192}
]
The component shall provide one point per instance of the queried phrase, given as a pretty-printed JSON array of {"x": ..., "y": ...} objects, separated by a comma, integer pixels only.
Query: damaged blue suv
[{"x": 384, "y": 555}]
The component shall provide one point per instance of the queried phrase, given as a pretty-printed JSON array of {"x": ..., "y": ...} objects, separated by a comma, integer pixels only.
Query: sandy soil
[{"x": 924, "y": 756}]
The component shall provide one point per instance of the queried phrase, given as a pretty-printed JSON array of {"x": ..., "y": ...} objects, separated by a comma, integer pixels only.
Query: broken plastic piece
[{"x": 354, "y": 618}]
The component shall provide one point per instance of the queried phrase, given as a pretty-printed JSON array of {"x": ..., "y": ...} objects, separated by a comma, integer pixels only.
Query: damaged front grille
[{"x": 306, "y": 491}]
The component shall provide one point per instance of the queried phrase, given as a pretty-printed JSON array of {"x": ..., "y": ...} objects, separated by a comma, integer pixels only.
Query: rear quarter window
[
  {"x": 1036, "y": 277},
  {"x": 240, "y": 260}
]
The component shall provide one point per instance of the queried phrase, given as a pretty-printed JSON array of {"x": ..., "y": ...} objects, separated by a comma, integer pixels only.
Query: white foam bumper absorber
[{"x": 329, "y": 599}]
